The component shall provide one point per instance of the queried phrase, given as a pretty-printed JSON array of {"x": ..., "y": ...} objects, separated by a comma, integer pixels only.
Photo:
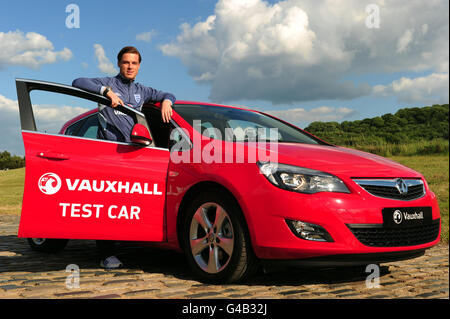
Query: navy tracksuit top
[{"x": 115, "y": 125}]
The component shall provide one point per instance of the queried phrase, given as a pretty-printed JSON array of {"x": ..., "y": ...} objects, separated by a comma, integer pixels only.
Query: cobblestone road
[{"x": 153, "y": 273}]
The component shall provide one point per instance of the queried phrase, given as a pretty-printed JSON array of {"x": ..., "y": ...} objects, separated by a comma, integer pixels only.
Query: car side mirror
[{"x": 140, "y": 135}]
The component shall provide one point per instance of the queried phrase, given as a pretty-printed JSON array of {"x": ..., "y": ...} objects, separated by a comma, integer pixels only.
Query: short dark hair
[{"x": 128, "y": 49}]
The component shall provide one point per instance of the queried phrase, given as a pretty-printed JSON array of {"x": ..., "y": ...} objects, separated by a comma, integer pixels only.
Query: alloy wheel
[{"x": 211, "y": 238}]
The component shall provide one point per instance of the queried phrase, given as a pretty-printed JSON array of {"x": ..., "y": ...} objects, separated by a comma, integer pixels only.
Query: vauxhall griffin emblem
[{"x": 401, "y": 186}]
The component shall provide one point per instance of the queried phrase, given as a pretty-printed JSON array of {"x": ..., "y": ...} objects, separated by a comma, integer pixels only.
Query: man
[
  {"x": 115, "y": 125},
  {"x": 122, "y": 89}
]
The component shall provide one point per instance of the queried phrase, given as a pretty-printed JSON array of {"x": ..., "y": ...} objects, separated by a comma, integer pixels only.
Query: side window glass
[
  {"x": 178, "y": 140},
  {"x": 209, "y": 130},
  {"x": 73, "y": 129},
  {"x": 245, "y": 130},
  {"x": 52, "y": 110},
  {"x": 89, "y": 127}
]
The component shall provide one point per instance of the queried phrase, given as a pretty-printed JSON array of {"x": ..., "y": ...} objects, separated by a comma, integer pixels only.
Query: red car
[{"x": 212, "y": 184}]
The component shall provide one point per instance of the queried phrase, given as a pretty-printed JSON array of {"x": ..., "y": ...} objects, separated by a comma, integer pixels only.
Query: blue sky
[
  {"x": 122, "y": 22},
  {"x": 301, "y": 60}
]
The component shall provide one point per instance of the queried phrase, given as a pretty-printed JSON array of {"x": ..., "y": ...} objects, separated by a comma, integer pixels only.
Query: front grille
[
  {"x": 379, "y": 236},
  {"x": 387, "y": 188}
]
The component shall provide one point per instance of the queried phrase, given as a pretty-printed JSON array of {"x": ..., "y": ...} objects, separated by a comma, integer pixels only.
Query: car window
[
  {"x": 179, "y": 140},
  {"x": 209, "y": 130},
  {"x": 47, "y": 107},
  {"x": 52, "y": 110},
  {"x": 89, "y": 128},
  {"x": 234, "y": 124},
  {"x": 243, "y": 129},
  {"x": 86, "y": 127},
  {"x": 73, "y": 129}
]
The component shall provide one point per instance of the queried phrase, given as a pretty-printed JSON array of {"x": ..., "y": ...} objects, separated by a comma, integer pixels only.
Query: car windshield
[{"x": 238, "y": 125}]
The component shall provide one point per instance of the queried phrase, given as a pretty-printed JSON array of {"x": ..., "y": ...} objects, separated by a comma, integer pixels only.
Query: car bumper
[{"x": 273, "y": 239}]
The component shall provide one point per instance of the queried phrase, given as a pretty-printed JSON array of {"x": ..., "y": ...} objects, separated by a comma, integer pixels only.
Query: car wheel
[
  {"x": 216, "y": 241},
  {"x": 47, "y": 245}
]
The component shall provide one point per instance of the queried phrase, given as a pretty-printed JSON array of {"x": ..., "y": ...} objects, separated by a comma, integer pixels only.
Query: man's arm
[
  {"x": 166, "y": 99},
  {"x": 166, "y": 110},
  {"x": 97, "y": 85},
  {"x": 94, "y": 85},
  {"x": 153, "y": 95}
]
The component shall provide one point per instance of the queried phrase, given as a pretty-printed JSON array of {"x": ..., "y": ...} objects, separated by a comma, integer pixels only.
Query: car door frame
[{"x": 25, "y": 86}]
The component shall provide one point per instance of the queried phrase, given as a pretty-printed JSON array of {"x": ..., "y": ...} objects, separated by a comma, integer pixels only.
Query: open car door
[{"x": 81, "y": 188}]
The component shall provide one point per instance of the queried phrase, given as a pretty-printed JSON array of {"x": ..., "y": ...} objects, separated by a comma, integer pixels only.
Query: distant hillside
[{"x": 424, "y": 125}]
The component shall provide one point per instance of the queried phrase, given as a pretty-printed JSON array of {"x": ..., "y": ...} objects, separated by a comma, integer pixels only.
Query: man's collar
[{"x": 123, "y": 79}]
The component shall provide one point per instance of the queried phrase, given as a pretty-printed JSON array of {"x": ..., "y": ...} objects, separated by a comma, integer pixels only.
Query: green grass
[
  {"x": 417, "y": 148},
  {"x": 435, "y": 168},
  {"x": 11, "y": 190}
]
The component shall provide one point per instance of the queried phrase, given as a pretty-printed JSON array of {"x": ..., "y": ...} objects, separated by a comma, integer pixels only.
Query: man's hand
[
  {"x": 166, "y": 110},
  {"x": 115, "y": 100}
]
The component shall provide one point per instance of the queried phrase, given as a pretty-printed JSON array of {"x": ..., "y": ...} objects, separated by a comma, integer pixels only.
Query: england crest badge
[{"x": 137, "y": 97}]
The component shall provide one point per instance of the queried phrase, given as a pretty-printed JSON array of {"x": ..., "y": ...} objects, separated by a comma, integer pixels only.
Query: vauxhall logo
[
  {"x": 399, "y": 216},
  {"x": 50, "y": 184},
  {"x": 401, "y": 186}
]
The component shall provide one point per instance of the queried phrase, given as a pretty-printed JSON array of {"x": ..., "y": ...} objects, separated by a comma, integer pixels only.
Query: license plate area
[{"x": 396, "y": 217}]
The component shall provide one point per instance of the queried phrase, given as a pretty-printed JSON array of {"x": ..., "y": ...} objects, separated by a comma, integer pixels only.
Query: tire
[
  {"x": 215, "y": 240},
  {"x": 47, "y": 245}
]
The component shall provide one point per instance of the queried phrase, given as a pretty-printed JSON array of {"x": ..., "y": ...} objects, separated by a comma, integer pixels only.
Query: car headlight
[{"x": 300, "y": 179}]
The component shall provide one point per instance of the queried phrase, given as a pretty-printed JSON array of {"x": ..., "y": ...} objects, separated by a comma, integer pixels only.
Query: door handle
[{"x": 53, "y": 155}]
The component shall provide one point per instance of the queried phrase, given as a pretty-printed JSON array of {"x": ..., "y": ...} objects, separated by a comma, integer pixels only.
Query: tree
[
  {"x": 406, "y": 125},
  {"x": 10, "y": 162}
]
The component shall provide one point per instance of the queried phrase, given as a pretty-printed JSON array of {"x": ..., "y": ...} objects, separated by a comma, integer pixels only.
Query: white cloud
[
  {"x": 29, "y": 50},
  {"x": 10, "y": 127},
  {"x": 104, "y": 64},
  {"x": 428, "y": 90},
  {"x": 49, "y": 118},
  {"x": 301, "y": 50},
  {"x": 7, "y": 105},
  {"x": 146, "y": 36},
  {"x": 52, "y": 117},
  {"x": 404, "y": 41},
  {"x": 322, "y": 113}
]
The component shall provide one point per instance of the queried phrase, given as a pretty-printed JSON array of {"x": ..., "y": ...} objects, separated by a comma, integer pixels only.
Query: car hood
[{"x": 340, "y": 161}]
